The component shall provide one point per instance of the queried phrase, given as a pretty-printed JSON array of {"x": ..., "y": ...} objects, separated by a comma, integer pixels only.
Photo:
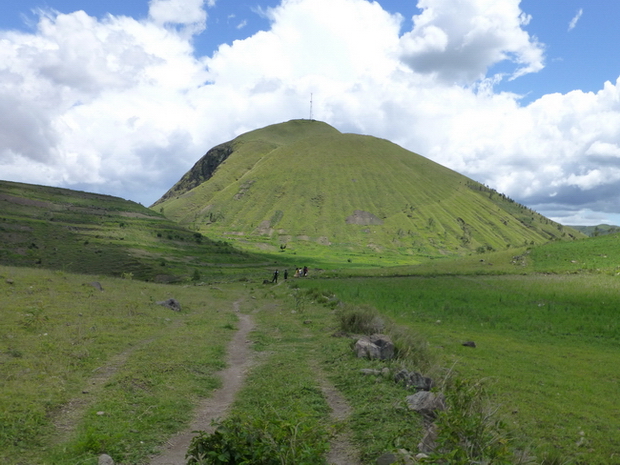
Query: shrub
[
  {"x": 411, "y": 347},
  {"x": 238, "y": 441},
  {"x": 360, "y": 320}
]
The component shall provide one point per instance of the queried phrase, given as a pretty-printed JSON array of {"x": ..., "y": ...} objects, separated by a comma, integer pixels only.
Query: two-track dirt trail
[{"x": 238, "y": 361}]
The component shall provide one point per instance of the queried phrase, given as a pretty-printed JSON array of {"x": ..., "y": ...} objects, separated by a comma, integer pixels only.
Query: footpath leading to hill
[{"x": 238, "y": 360}]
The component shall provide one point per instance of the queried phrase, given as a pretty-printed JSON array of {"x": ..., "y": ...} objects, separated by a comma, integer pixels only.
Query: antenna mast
[{"x": 310, "y": 106}]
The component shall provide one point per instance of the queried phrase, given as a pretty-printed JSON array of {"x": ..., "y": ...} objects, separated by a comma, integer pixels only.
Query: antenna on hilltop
[{"x": 310, "y": 106}]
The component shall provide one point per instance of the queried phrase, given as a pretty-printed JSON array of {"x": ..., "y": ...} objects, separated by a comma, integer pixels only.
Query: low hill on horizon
[
  {"x": 304, "y": 187},
  {"x": 81, "y": 232},
  {"x": 598, "y": 230}
]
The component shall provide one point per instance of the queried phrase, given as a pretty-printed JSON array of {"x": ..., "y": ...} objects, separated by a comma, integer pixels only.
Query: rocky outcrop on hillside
[{"x": 202, "y": 171}]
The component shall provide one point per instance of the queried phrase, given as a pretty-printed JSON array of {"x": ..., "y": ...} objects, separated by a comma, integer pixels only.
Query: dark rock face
[{"x": 202, "y": 171}]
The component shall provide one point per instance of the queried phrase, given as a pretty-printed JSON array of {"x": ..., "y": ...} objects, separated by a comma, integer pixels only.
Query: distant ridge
[
  {"x": 599, "y": 230},
  {"x": 303, "y": 186}
]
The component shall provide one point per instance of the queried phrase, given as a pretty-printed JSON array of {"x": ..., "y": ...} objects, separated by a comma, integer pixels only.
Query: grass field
[
  {"x": 85, "y": 371},
  {"x": 69, "y": 351},
  {"x": 547, "y": 346}
]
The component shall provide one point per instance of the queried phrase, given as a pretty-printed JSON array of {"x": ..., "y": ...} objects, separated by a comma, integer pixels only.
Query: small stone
[
  {"x": 172, "y": 304},
  {"x": 469, "y": 344},
  {"x": 105, "y": 459},
  {"x": 369, "y": 372},
  {"x": 386, "y": 459},
  {"x": 100, "y": 413}
]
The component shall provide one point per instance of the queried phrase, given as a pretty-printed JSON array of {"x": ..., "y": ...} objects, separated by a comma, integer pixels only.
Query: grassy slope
[
  {"x": 296, "y": 183},
  {"x": 59, "y": 336},
  {"x": 99, "y": 234}
]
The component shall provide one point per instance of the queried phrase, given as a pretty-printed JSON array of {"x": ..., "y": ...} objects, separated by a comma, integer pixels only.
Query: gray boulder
[
  {"x": 377, "y": 346},
  {"x": 414, "y": 380},
  {"x": 426, "y": 403},
  {"x": 172, "y": 304},
  {"x": 97, "y": 285}
]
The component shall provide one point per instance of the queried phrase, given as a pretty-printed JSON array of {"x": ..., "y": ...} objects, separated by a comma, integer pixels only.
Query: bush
[
  {"x": 360, "y": 320},
  {"x": 258, "y": 442}
]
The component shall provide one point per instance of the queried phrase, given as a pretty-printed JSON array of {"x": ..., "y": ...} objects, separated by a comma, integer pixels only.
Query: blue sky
[
  {"x": 580, "y": 58},
  {"x": 125, "y": 97}
]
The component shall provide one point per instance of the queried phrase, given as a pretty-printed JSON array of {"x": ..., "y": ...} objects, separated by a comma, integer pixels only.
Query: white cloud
[
  {"x": 575, "y": 20},
  {"x": 124, "y": 107},
  {"x": 180, "y": 12},
  {"x": 458, "y": 41}
]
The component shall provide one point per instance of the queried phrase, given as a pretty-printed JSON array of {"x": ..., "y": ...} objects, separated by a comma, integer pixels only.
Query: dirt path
[
  {"x": 341, "y": 449},
  {"x": 238, "y": 360}
]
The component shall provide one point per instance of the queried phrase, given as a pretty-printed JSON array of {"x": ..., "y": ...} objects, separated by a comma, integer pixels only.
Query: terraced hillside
[
  {"x": 82, "y": 232},
  {"x": 304, "y": 187}
]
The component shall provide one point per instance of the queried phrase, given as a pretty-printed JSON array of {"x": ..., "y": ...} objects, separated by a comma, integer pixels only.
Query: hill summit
[{"x": 305, "y": 186}]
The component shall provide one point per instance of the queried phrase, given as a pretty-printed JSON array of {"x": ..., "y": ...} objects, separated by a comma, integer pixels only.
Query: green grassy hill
[
  {"x": 305, "y": 188},
  {"x": 99, "y": 234}
]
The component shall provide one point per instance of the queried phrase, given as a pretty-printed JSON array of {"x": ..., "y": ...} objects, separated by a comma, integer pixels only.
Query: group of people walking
[{"x": 299, "y": 273}]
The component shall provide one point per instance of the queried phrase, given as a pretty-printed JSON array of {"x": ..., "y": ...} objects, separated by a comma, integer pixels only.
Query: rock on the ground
[
  {"x": 429, "y": 441},
  {"x": 172, "y": 304},
  {"x": 105, "y": 459},
  {"x": 414, "y": 380},
  {"x": 426, "y": 403},
  {"x": 97, "y": 285},
  {"x": 377, "y": 346}
]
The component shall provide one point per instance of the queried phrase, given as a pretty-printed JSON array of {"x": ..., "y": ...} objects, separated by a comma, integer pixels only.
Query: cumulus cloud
[
  {"x": 125, "y": 107},
  {"x": 458, "y": 41}
]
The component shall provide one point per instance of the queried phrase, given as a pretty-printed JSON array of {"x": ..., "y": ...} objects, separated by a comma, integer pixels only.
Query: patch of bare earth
[{"x": 238, "y": 361}]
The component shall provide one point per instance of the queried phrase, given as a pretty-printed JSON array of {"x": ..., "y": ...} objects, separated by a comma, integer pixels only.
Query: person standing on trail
[
  {"x": 285, "y": 275},
  {"x": 305, "y": 271},
  {"x": 275, "y": 277}
]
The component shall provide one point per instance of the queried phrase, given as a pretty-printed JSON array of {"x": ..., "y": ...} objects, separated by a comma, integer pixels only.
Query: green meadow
[
  {"x": 546, "y": 346},
  {"x": 86, "y": 371}
]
